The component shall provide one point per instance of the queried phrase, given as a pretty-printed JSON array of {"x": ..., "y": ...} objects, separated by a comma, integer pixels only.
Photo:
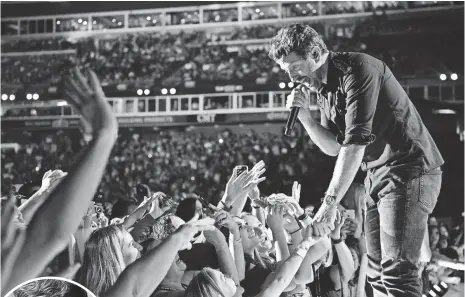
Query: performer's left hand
[{"x": 326, "y": 214}]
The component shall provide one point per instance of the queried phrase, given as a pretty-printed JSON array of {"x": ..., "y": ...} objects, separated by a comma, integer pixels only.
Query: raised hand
[
  {"x": 351, "y": 227},
  {"x": 294, "y": 202},
  {"x": 51, "y": 179},
  {"x": 244, "y": 183},
  {"x": 90, "y": 102},
  {"x": 336, "y": 233},
  {"x": 12, "y": 239},
  {"x": 215, "y": 237},
  {"x": 275, "y": 217},
  {"x": 187, "y": 231},
  {"x": 326, "y": 214},
  {"x": 224, "y": 219}
]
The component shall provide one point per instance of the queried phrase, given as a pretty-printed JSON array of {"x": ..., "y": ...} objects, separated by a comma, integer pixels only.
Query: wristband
[
  {"x": 304, "y": 221},
  {"x": 301, "y": 252},
  {"x": 337, "y": 241},
  {"x": 225, "y": 207},
  {"x": 292, "y": 233}
]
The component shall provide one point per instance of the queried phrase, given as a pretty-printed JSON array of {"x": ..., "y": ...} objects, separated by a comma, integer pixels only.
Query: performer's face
[{"x": 301, "y": 70}]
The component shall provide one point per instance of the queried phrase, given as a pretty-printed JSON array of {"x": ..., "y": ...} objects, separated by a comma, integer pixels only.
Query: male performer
[{"x": 367, "y": 116}]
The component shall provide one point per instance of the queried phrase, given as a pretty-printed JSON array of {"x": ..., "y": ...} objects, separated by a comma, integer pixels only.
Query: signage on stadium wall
[{"x": 147, "y": 121}]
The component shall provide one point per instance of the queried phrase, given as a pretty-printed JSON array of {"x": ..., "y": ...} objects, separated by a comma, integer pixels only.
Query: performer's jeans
[{"x": 395, "y": 226}]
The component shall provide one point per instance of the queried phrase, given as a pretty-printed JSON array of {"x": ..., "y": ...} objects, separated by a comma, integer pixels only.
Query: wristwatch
[{"x": 330, "y": 201}]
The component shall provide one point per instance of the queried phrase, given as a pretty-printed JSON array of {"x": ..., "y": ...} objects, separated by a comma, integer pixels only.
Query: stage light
[
  {"x": 146, "y": 91},
  {"x": 290, "y": 85},
  {"x": 29, "y": 96},
  {"x": 4, "y": 97},
  {"x": 35, "y": 96},
  {"x": 443, "y": 77},
  {"x": 164, "y": 91},
  {"x": 12, "y": 97},
  {"x": 140, "y": 92},
  {"x": 282, "y": 85},
  {"x": 454, "y": 76},
  {"x": 172, "y": 91}
]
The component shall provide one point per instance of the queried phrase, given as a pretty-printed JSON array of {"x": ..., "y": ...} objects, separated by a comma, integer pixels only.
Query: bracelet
[
  {"x": 292, "y": 233},
  {"x": 225, "y": 207},
  {"x": 302, "y": 217},
  {"x": 307, "y": 221},
  {"x": 337, "y": 241},
  {"x": 301, "y": 252}
]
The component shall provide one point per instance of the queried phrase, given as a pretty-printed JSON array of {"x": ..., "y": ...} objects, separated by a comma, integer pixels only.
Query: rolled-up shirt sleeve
[{"x": 362, "y": 87}]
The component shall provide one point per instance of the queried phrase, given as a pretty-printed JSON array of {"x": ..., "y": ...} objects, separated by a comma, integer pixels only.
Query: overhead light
[
  {"x": 80, "y": 21},
  {"x": 58, "y": 22},
  {"x": 164, "y": 91},
  {"x": 140, "y": 92},
  {"x": 4, "y": 97},
  {"x": 94, "y": 22},
  {"x": 62, "y": 103},
  {"x": 257, "y": 10},
  {"x": 12, "y": 97},
  {"x": 29, "y": 96},
  {"x": 443, "y": 77},
  {"x": 172, "y": 91},
  {"x": 85, "y": 23},
  {"x": 146, "y": 91},
  {"x": 35, "y": 96},
  {"x": 149, "y": 18},
  {"x": 290, "y": 84},
  {"x": 119, "y": 23},
  {"x": 443, "y": 111},
  {"x": 282, "y": 85},
  {"x": 113, "y": 20},
  {"x": 454, "y": 76}
]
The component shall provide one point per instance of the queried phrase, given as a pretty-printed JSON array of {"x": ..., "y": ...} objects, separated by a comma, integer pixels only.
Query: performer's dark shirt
[{"x": 363, "y": 103}]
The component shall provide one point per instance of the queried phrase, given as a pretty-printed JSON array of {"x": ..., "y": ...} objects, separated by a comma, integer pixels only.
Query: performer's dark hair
[{"x": 296, "y": 38}]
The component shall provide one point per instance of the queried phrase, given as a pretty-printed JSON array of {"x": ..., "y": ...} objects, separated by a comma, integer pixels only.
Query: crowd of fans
[
  {"x": 181, "y": 58},
  {"x": 172, "y": 161},
  {"x": 173, "y": 215}
]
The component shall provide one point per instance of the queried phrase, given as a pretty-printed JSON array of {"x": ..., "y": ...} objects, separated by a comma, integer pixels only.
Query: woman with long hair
[
  {"x": 107, "y": 253},
  {"x": 112, "y": 265}
]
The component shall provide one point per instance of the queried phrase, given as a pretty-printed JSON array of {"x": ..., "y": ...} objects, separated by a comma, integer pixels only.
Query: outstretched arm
[{"x": 59, "y": 216}]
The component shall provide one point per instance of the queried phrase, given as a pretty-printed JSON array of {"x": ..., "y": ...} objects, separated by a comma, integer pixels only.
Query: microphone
[
  {"x": 291, "y": 120},
  {"x": 292, "y": 117}
]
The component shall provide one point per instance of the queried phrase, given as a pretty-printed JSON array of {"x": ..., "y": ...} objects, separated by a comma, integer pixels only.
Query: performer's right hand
[{"x": 299, "y": 97}]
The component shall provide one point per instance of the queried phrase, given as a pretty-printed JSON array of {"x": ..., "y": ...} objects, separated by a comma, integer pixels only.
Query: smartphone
[
  {"x": 349, "y": 214},
  {"x": 208, "y": 208},
  {"x": 241, "y": 168}
]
